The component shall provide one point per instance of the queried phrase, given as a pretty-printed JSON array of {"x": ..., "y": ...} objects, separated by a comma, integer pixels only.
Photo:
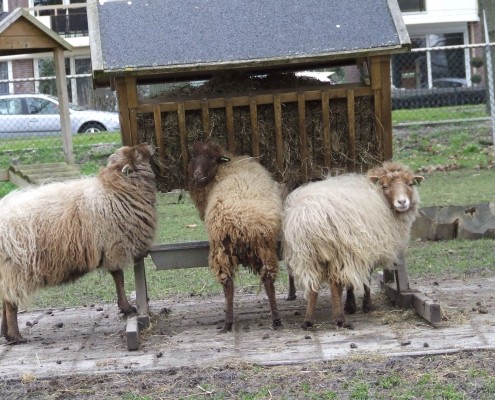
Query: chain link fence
[
  {"x": 30, "y": 131},
  {"x": 440, "y": 84}
]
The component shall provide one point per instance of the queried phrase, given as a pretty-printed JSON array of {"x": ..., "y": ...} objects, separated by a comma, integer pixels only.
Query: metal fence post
[{"x": 489, "y": 73}]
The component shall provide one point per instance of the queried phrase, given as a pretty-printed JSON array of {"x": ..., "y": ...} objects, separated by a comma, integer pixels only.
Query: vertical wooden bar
[
  {"x": 327, "y": 144},
  {"x": 386, "y": 99},
  {"x": 63, "y": 98},
  {"x": 141, "y": 293},
  {"x": 279, "y": 143},
  {"x": 181, "y": 112},
  {"x": 132, "y": 100},
  {"x": 303, "y": 139},
  {"x": 157, "y": 116},
  {"x": 123, "y": 104},
  {"x": 402, "y": 277},
  {"x": 376, "y": 85},
  {"x": 255, "y": 134},
  {"x": 351, "y": 123},
  {"x": 205, "y": 116},
  {"x": 229, "y": 116}
]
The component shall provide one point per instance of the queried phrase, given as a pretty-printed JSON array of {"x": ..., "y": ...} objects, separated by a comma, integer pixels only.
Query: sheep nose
[{"x": 402, "y": 201}]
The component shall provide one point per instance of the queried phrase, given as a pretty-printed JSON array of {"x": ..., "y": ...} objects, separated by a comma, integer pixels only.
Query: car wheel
[{"x": 92, "y": 127}]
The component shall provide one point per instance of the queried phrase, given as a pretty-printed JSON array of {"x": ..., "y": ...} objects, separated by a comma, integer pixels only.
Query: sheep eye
[{"x": 385, "y": 187}]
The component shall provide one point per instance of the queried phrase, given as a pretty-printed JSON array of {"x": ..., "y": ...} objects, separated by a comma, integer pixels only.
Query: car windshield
[{"x": 72, "y": 106}]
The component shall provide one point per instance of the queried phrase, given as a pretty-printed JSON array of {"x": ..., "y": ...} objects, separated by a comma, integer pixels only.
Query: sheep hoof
[
  {"x": 368, "y": 308},
  {"x": 227, "y": 327},
  {"x": 307, "y": 325},
  {"x": 277, "y": 323},
  {"x": 350, "y": 308},
  {"x": 345, "y": 325},
  {"x": 291, "y": 297},
  {"x": 128, "y": 311},
  {"x": 12, "y": 340}
]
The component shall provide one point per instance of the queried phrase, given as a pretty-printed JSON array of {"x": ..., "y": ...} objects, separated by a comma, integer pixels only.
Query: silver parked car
[{"x": 38, "y": 114}]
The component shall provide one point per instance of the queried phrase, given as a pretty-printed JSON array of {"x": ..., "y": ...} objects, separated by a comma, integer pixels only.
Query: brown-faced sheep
[
  {"x": 241, "y": 207},
  {"x": 338, "y": 229},
  {"x": 58, "y": 232}
]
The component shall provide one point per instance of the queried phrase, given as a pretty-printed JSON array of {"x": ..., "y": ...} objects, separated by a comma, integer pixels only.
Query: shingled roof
[{"x": 170, "y": 38}]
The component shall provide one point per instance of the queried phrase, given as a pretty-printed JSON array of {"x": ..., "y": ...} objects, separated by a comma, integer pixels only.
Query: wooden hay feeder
[{"x": 248, "y": 53}]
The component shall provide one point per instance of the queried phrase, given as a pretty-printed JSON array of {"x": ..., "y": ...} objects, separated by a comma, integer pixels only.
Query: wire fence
[{"x": 443, "y": 84}]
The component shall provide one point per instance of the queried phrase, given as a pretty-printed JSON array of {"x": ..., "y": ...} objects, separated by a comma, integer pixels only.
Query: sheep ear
[
  {"x": 127, "y": 169},
  {"x": 418, "y": 179},
  {"x": 374, "y": 179},
  {"x": 223, "y": 159}
]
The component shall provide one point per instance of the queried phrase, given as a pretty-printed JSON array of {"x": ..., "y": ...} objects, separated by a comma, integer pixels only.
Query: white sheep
[
  {"x": 338, "y": 229},
  {"x": 241, "y": 206},
  {"x": 58, "y": 232}
]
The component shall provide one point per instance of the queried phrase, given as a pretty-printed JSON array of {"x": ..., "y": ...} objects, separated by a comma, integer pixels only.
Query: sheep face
[
  {"x": 205, "y": 159},
  {"x": 398, "y": 188}
]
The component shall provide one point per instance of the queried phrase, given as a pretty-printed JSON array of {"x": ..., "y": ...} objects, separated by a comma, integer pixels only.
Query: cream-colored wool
[
  {"x": 57, "y": 232},
  {"x": 243, "y": 203},
  {"x": 339, "y": 229}
]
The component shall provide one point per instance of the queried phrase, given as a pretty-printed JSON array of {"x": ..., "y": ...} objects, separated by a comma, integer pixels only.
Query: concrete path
[{"x": 91, "y": 340}]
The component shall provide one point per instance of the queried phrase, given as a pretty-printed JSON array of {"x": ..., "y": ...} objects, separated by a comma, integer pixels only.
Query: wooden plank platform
[
  {"x": 23, "y": 175},
  {"x": 194, "y": 254}
]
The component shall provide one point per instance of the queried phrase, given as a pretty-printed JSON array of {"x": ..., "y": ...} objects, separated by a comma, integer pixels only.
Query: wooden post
[
  {"x": 255, "y": 134},
  {"x": 63, "y": 100},
  {"x": 386, "y": 100},
  {"x": 303, "y": 138},
  {"x": 376, "y": 85},
  {"x": 351, "y": 123},
  {"x": 181, "y": 112},
  {"x": 327, "y": 142},
  {"x": 279, "y": 144},
  {"x": 123, "y": 104}
]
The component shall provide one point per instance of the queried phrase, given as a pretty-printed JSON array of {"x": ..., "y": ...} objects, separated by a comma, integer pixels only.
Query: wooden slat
[
  {"x": 255, "y": 134},
  {"x": 157, "y": 116},
  {"x": 386, "y": 99},
  {"x": 327, "y": 145},
  {"x": 303, "y": 137},
  {"x": 229, "y": 116},
  {"x": 132, "y": 101},
  {"x": 205, "y": 116},
  {"x": 261, "y": 99},
  {"x": 279, "y": 143},
  {"x": 183, "y": 137},
  {"x": 351, "y": 122},
  {"x": 125, "y": 125},
  {"x": 376, "y": 85}
]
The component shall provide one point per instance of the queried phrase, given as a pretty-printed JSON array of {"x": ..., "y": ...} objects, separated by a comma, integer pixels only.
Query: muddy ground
[{"x": 415, "y": 367}]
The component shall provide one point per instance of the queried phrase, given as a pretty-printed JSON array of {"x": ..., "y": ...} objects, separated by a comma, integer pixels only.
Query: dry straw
[{"x": 230, "y": 85}]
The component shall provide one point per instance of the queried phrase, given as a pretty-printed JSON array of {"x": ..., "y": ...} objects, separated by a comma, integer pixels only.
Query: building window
[
  {"x": 4, "y": 75},
  {"x": 431, "y": 68},
  {"x": 412, "y": 5}
]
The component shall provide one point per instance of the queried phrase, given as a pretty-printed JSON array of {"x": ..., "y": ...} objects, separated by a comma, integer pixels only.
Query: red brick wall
[
  {"x": 23, "y": 69},
  {"x": 13, "y": 4}
]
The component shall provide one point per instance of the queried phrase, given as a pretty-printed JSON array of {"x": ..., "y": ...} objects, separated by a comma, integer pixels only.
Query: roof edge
[{"x": 13, "y": 16}]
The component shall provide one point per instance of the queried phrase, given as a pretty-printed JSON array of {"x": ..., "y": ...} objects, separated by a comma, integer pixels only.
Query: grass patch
[{"x": 439, "y": 114}]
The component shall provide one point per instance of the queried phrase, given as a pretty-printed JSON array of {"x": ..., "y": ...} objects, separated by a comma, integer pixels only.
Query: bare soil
[{"x": 423, "y": 374}]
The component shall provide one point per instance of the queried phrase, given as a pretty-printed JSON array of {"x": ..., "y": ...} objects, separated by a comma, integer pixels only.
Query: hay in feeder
[{"x": 231, "y": 85}]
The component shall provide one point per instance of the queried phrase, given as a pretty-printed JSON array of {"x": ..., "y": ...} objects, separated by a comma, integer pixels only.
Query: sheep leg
[
  {"x": 309, "y": 318},
  {"x": 337, "y": 308},
  {"x": 350, "y": 301},
  {"x": 124, "y": 306},
  {"x": 292, "y": 289},
  {"x": 367, "y": 303},
  {"x": 10, "y": 327},
  {"x": 270, "y": 292},
  {"x": 228, "y": 291}
]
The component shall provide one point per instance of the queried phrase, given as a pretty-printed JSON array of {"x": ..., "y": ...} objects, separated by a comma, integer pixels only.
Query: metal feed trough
[{"x": 299, "y": 131}]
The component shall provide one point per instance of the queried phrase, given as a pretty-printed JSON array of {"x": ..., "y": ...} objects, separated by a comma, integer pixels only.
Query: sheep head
[
  {"x": 205, "y": 159},
  {"x": 128, "y": 159},
  {"x": 397, "y": 184}
]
